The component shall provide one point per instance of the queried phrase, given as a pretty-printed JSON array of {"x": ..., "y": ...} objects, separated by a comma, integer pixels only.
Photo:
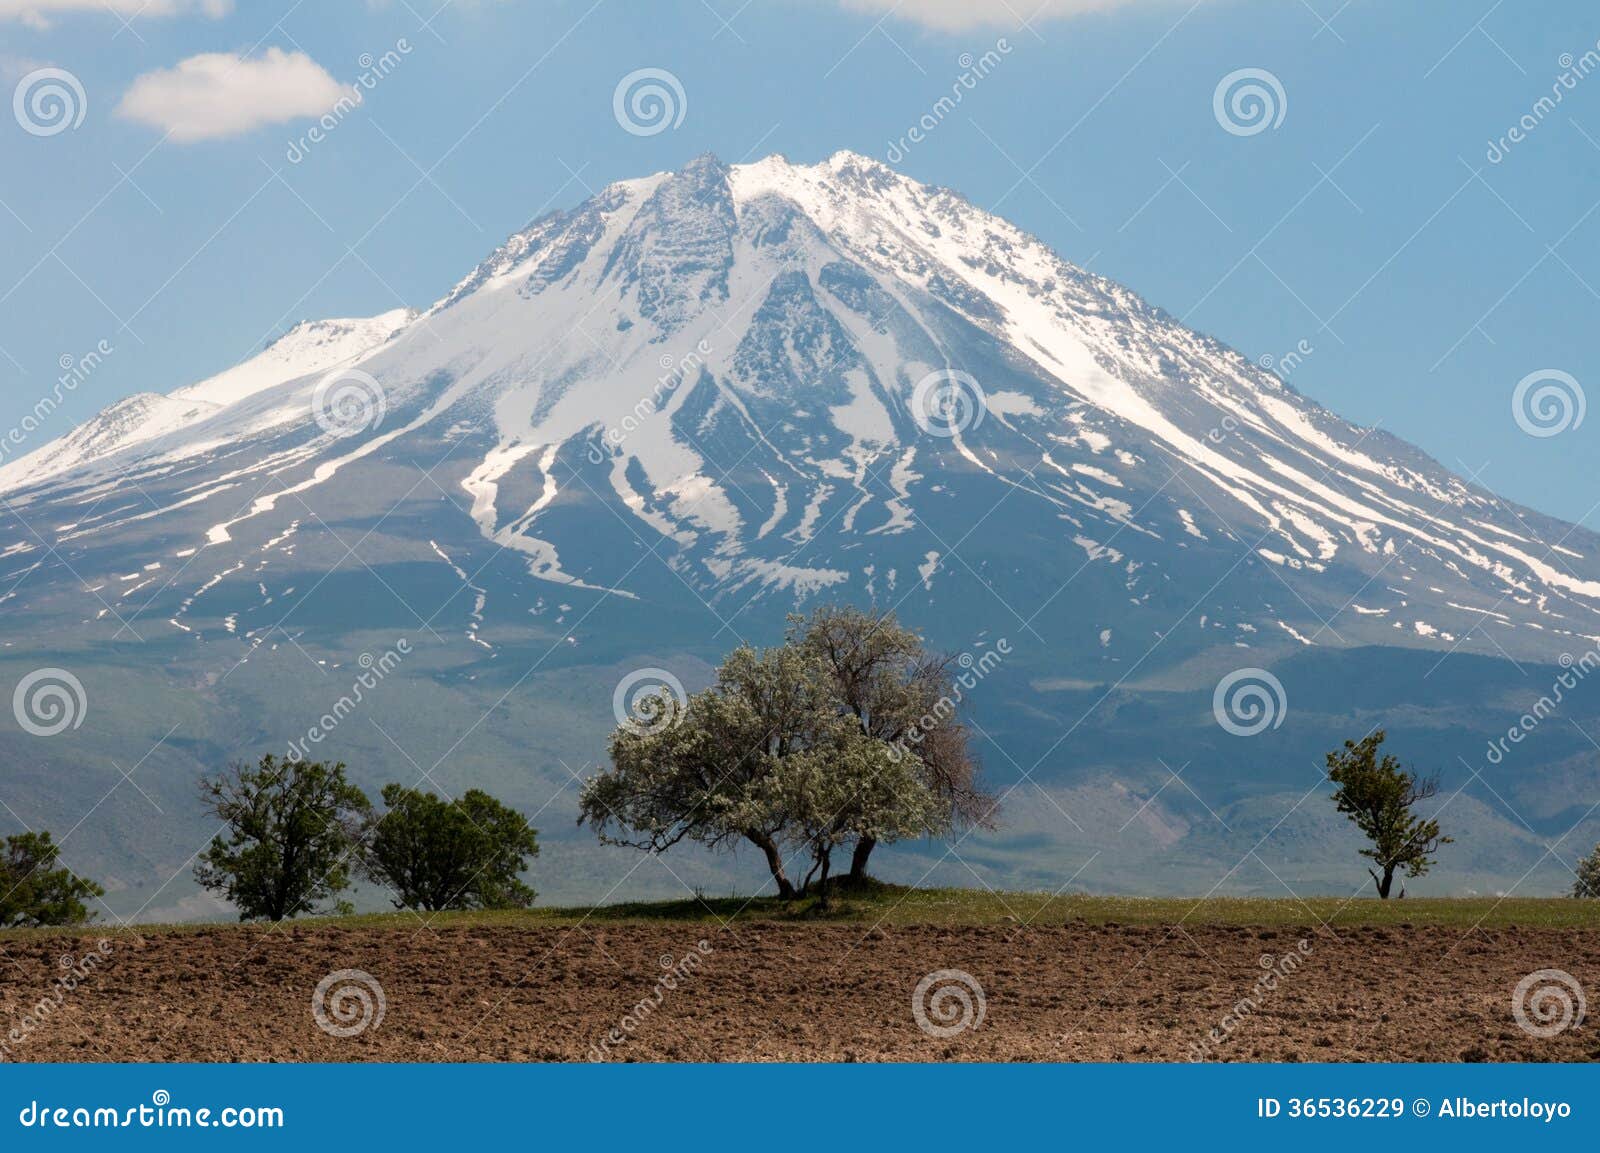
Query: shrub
[
  {"x": 462, "y": 854},
  {"x": 33, "y": 891}
]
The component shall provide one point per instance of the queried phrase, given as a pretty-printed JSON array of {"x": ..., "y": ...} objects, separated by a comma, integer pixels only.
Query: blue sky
[{"x": 1368, "y": 226}]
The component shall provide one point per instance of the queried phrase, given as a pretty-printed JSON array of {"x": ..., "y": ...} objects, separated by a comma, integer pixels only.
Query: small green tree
[
  {"x": 463, "y": 854},
  {"x": 34, "y": 891},
  {"x": 293, "y": 830},
  {"x": 1381, "y": 798},
  {"x": 1588, "y": 881}
]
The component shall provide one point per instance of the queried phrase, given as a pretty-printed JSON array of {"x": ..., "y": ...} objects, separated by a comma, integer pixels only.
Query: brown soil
[{"x": 768, "y": 992}]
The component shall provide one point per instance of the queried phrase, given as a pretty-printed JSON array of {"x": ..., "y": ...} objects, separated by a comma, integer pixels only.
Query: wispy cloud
[
  {"x": 217, "y": 94},
  {"x": 956, "y": 15},
  {"x": 14, "y": 68},
  {"x": 38, "y": 13}
]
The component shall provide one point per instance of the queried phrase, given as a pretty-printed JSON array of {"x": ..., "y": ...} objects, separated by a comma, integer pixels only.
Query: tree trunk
[
  {"x": 1384, "y": 882},
  {"x": 858, "y": 859},
  {"x": 774, "y": 863},
  {"x": 827, "y": 859}
]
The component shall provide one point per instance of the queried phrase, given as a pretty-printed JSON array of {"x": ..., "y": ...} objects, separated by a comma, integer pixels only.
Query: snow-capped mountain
[
  {"x": 656, "y": 422},
  {"x": 728, "y": 359}
]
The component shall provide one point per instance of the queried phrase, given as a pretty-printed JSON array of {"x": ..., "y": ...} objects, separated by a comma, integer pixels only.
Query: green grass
[{"x": 896, "y": 905}]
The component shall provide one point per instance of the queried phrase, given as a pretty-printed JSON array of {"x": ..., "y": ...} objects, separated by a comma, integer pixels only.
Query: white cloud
[
  {"x": 14, "y": 68},
  {"x": 957, "y": 15},
  {"x": 218, "y": 94},
  {"x": 38, "y": 13}
]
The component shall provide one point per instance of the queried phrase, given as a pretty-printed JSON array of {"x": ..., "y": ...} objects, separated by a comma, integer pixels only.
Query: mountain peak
[
  {"x": 846, "y": 159},
  {"x": 787, "y": 377},
  {"x": 707, "y": 165}
]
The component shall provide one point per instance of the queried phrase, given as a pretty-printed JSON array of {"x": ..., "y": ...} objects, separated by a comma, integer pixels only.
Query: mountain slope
[{"x": 119, "y": 431}]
